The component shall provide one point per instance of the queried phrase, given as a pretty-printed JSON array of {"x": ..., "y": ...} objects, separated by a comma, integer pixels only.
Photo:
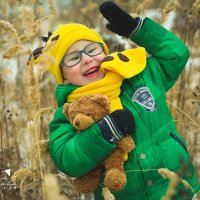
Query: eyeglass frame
[{"x": 80, "y": 53}]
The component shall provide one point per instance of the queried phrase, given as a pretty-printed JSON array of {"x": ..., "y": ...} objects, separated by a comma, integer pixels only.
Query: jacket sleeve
[
  {"x": 76, "y": 154},
  {"x": 168, "y": 52}
]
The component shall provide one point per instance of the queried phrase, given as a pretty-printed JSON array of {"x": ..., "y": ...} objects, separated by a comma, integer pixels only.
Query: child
[{"x": 78, "y": 53}]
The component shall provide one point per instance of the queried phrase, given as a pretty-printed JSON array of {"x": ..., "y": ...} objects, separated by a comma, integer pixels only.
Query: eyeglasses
[{"x": 75, "y": 57}]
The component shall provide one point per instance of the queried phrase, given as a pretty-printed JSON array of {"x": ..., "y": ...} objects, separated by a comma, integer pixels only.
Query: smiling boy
[{"x": 78, "y": 53}]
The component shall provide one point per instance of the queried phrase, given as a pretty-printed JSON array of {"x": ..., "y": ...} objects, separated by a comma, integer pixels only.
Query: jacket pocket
[
  {"x": 177, "y": 139},
  {"x": 172, "y": 149}
]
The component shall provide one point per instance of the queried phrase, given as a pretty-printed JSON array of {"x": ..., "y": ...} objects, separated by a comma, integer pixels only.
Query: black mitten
[
  {"x": 120, "y": 22},
  {"x": 116, "y": 125}
]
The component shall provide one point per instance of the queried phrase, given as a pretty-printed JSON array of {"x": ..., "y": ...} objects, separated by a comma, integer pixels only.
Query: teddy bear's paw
[
  {"x": 126, "y": 144},
  {"x": 115, "y": 180}
]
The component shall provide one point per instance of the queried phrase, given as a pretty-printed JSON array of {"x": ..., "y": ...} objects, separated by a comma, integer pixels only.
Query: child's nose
[{"x": 86, "y": 59}]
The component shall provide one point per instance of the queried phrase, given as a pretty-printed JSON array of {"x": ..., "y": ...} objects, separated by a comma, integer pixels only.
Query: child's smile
[
  {"x": 91, "y": 72},
  {"x": 87, "y": 70}
]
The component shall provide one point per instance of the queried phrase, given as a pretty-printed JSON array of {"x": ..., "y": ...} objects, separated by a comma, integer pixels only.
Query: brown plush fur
[
  {"x": 89, "y": 182},
  {"x": 82, "y": 114},
  {"x": 87, "y": 110}
]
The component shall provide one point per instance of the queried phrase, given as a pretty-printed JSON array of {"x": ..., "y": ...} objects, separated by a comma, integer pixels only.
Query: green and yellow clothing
[{"x": 158, "y": 143}]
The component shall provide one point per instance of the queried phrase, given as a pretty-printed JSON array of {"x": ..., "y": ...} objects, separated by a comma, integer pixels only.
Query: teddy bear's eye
[{"x": 88, "y": 115}]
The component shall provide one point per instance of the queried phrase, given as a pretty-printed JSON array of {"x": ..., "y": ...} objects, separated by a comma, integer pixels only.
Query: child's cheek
[{"x": 101, "y": 57}]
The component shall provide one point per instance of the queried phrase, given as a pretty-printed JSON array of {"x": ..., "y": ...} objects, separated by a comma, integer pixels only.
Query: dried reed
[
  {"x": 196, "y": 39},
  {"x": 22, "y": 174},
  {"x": 52, "y": 188},
  {"x": 44, "y": 19},
  {"x": 143, "y": 6},
  {"x": 171, "y": 6},
  {"x": 8, "y": 28},
  {"x": 33, "y": 28},
  {"x": 25, "y": 178},
  {"x": 27, "y": 19},
  {"x": 42, "y": 150},
  {"x": 1, "y": 195},
  {"x": 13, "y": 51},
  {"x": 90, "y": 7},
  {"x": 173, "y": 184},
  {"x": 33, "y": 86},
  {"x": 53, "y": 7},
  {"x": 107, "y": 195},
  {"x": 195, "y": 10}
]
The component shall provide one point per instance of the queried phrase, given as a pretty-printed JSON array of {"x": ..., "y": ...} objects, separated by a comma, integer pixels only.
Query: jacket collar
[{"x": 62, "y": 91}]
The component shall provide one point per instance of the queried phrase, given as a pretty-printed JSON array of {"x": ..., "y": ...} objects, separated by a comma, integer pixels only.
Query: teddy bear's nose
[{"x": 77, "y": 123}]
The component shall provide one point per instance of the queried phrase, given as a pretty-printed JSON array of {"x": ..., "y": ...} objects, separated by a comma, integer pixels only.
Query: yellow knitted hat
[{"x": 64, "y": 37}]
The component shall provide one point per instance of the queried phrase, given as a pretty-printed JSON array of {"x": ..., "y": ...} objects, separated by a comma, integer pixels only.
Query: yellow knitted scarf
[{"x": 116, "y": 67}]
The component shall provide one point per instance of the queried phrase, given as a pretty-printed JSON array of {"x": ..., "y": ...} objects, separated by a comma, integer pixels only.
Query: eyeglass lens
[{"x": 74, "y": 58}]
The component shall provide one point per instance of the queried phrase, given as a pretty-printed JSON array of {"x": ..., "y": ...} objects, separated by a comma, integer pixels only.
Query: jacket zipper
[{"x": 179, "y": 141}]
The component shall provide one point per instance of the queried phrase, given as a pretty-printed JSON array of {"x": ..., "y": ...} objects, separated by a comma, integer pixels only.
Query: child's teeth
[{"x": 90, "y": 71}]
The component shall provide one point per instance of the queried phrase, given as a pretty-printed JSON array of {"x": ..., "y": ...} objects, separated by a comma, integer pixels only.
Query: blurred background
[{"x": 27, "y": 100}]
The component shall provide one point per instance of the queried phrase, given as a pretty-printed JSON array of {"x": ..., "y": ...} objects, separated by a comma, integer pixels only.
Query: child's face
[{"x": 87, "y": 70}]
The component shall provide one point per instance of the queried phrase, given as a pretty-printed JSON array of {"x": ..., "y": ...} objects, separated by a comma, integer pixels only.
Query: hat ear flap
[
  {"x": 35, "y": 54},
  {"x": 45, "y": 39}
]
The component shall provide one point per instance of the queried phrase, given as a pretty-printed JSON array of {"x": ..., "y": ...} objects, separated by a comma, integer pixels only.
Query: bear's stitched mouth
[{"x": 90, "y": 71}]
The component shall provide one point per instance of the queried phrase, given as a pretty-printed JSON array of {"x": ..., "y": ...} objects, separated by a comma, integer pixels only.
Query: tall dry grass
[{"x": 27, "y": 91}]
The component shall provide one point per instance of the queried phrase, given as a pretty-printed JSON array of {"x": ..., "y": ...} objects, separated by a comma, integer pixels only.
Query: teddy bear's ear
[
  {"x": 102, "y": 100},
  {"x": 65, "y": 109}
]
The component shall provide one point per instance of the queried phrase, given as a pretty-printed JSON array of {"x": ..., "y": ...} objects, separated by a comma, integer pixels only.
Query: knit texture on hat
[{"x": 64, "y": 37}]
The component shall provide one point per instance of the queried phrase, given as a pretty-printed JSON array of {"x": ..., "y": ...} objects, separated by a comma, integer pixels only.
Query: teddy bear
[{"x": 82, "y": 113}]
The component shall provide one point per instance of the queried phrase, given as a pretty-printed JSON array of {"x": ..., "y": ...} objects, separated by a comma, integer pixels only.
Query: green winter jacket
[{"x": 158, "y": 143}]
